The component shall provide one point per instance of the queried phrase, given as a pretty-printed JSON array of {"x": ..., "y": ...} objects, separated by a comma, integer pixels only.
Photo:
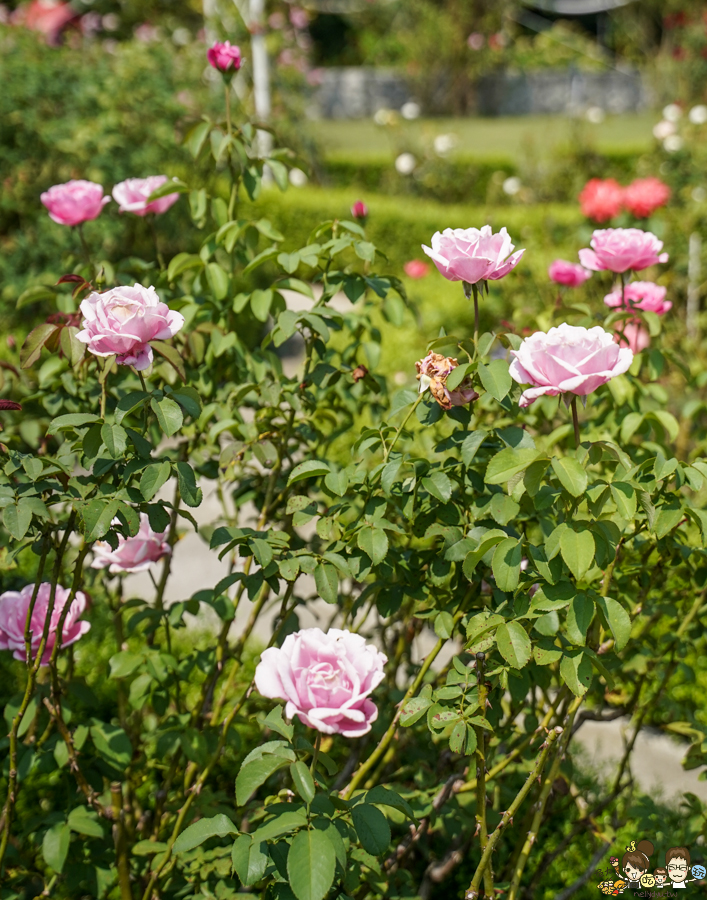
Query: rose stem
[
  {"x": 227, "y": 88},
  {"x": 155, "y": 240},
  {"x": 575, "y": 422},
  {"x": 475, "y": 291},
  {"x": 84, "y": 245},
  {"x": 315, "y": 755}
]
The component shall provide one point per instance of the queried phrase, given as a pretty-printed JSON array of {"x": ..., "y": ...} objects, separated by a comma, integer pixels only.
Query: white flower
[
  {"x": 410, "y": 110},
  {"x": 595, "y": 115},
  {"x": 512, "y": 185},
  {"x": 405, "y": 164},
  {"x": 698, "y": 114},
  {"x": 443, "y": 143},
  {"x": 672, "y": 143},
  {"x": 663, "y": 130},
  {"x": 672, "y": 112},
  {"x": 298, "y": 178}
]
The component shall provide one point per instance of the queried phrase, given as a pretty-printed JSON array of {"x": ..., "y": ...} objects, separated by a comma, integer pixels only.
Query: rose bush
[{"x": 487, "y": 574}]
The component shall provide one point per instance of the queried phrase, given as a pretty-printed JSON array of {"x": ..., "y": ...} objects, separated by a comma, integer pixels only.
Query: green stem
[
  {"x": 475, "y": 291},
  {"x": 575, "y": 422},
  {"x": 484, "y": 863},
  {"x": 481, "y": 824},
  {"x": 412, "y": 409},
  {"x": 315, "y": 755},
  {"x": 84, "y": 247},
  {"x": 227, "y": 89},
  {"x": 155, "y": 240}
]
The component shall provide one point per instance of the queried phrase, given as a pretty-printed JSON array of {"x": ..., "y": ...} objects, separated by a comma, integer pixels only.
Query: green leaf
[
  {"x": 374, "y": 542},
  {"x": 308, "y": 469},
  {"x": 181, "y": 262},
  {"x": 327, "y": 582},
  {"x": 128, "y": 403},
  {"x": 496, "y": 378},
  {"x": 571, "y": 475},
  {"x": 188, "y": 490},
  {"x": 275, "y": 722},
  {"x": 196, "y": 834},
  {"x": 55, "y": 846},
  {"x": 439, "y": 485},
  {"x": 283, "y": 823},
  {"x": 579, "y": 618},
  {"x": 171, "y": 354},
  {"x": 115, "y": 438},
  {"x": 124, "y": 663},
  {"x": 72, "y": 420},
  {"x": 625, "y": 499},
  {"x": 576, "y": 672},
  {"x": 506, "y": 564},
  {"x": 472, "y": 559},
  {"x": 153, "y": 477},
  {"x": 97, "y": 516},
  {"x": 507, "y": 463},
  {"x": 250, "y": 859},
  {"x": 171, "y": 186},
  {"x": 371, "y": 827},
  {"x": 260, "y": 303},
  {"x": 513, "y": 644},
  {"x": 35, "y": 340},
  {"x": 169, "y": 415},
  {"x": 414, "y": 709},
  {"x": 444, "y": 625},
  {"x": 217, "y": 279},
  {"x": 578, "y": 549},
  {"x": 456, "y": 376},
  {"x": 311, "y": 864},
  {"x": 384, "y": 796},
  {"x": 337, "y": 483},
  {"x": 471, "y": 444},
  {"x": 255, "y": 773},
  {"x": 85, "y": 821},
  {"x": 303, "y": 781},
  {"x": 617, "y": 619},
  {"x": 17, "y": 518},
  {"x": 36, "y": 294},
  {"x": 112, "y": 743}
]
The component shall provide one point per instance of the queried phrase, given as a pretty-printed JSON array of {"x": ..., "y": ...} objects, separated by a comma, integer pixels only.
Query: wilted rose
[
  {"x": 325, "y": 679},
  {"x": 123, "y": 320},
  {"x": 432, "y": 373}
]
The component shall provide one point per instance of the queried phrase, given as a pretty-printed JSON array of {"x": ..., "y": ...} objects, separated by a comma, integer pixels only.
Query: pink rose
[
  {"x": 568, "y": 359},
  {"x": 567, "y": 273},
  {"x": 641, "y": 295},
  {"x": 299, "y": 17},
  {"x": 325, "y": 679},
  {"x": 644, "y": 195},
  {"x": 74, "y": 202},
  {"x": 123, "y": 320},
  {"x": 134, "y": 554},
  {"x": 416, "y": 268},
  {"x": 632, "y": 334},
  {"x": 432, "y": 373},
  {"x": 601, "y": 200},
  {"x": 359, "y": 210},
  {"x": 473, "y": 255},
  {"x": 131, "y": 195},
  {"x": 224, "y": 57},
  {"x": 14, "y": 607},
  {"x": 621, "y": 249}
]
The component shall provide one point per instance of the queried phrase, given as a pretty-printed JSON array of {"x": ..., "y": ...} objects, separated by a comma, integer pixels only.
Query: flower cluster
[
  {"x": 80, "y": 201},
  {"x": 602, "y": 199}
]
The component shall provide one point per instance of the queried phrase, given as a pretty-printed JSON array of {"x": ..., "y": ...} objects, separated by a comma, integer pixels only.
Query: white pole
[
  {"x": 694, "y": 271},
  {"x": 261, "y": 77}
]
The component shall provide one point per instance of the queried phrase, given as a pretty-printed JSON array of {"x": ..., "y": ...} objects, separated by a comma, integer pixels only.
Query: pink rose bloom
[
  {"x": 134, "y": 554},
  {"x": 224, "y": 57},
  {"x": 359, "y": 210},
  {"x": 416, "y": 268},
  {"x": 131, "y": 195},
  {"x": 621, "y": 249},
  {"x": 633, "y": 334},
  {"x": 432, "y": 373},
  {"x": 74, "y": 202},
  {"x": 601, "y": 199},
  {"x": 644, "y": 195},
  {"x": 14, "y": 606},
  {"x": 568, "y": 359},
  {"x": 299, "y": 17},
  {"x": 641, "y": 295},
  {"x": 473, "y": 255},
  {"x": 325, "y": 679},
  {"x": 123, "y": 320},
  {"x": 568, "y": 273}
]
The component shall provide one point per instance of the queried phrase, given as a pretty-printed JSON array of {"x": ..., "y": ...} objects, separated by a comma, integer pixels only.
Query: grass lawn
[{"x": 510, "y": 137}]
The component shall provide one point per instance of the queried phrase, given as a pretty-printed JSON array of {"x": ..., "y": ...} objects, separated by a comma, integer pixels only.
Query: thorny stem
[
  {"x": 485, "y": 861},
  {"x": 575, "y": 422},
  {"x": 481, "y": 825},
  {"x": 542, "y": 800},
  {"x": 121, "y": 849}
]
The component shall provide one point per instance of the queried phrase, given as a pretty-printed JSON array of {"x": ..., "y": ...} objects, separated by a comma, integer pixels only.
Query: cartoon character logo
[
  {"x": 635, "y": 862},
  {"x": 647, "y": 880},
  {"x": 699, "y": 872},
  {"x": 677, "y": 862},
  {"x": 661, "y": 876}
]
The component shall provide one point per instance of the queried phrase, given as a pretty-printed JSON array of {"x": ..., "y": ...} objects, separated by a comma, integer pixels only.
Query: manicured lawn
[{"x": 510, "y": 137}]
